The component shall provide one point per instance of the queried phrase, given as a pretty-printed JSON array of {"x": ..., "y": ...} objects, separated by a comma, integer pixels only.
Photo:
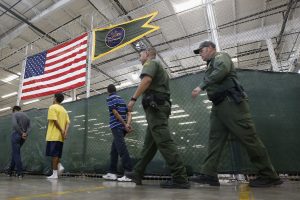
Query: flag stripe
[
  {"x": 66, "y": 45},
  {"x": 49, "y": 85},
  {"x": 55, "y": 76},
  {"x": 66, "y": 66},
  {"x": 68, "y": 54},
  {"x": 56, "y": 87},
  {"x": 56, "y": 70},
  {"x": 70, "y": 60},
  {"x": 53, "y": 91}
]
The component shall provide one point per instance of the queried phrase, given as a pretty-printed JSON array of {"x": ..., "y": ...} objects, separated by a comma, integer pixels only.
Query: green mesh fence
[{"x": 274, "y": 101}]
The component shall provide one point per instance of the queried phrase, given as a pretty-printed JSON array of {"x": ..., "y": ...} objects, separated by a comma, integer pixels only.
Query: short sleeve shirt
[
  {"x": 58, "y": 113},
  {"x": 160, "y": 78},
  {"x": 115, "y": 102}
]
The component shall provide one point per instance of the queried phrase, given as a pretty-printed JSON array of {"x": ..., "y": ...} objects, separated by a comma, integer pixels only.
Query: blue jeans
[
  {"x": 16, "y": 144},
  {"x": 119, "y": 148}
]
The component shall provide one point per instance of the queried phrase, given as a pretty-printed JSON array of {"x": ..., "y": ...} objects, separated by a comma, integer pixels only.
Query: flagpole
[
  {"x": 22, "y": 77},
  {"x": 89, "y": 64}
]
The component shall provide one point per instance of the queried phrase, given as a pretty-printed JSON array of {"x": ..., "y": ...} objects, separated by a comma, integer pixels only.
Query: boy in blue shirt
[{"x": 120, "y": 120}]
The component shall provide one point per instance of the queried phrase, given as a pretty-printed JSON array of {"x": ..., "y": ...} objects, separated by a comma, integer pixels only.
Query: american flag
[{"x": 56, "y": 70}]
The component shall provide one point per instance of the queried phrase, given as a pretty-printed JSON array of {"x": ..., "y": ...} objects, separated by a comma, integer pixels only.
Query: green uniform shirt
[
  {"x": 160, "y": 78},
  {"x": 219, "y": 74}
]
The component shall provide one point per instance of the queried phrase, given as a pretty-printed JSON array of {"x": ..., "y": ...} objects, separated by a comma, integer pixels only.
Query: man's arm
[
  {"x": 57, "y": 126},
  {"x": 66, "y": 130},
  {"x": 221, "y": 68},
  {"x": 129, "y": 118},
  {"x": 144, "y": 85},
  {"x": 29, "y": 126},
  {"x": 25, "y": 134},
  {"x": 118, "y": 116},
  {"x": 15, "y": 124}
]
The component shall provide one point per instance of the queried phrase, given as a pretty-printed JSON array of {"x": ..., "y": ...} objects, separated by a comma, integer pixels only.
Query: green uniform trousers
[
  {"x": 158, "y": 138},
  {"x": 231, "y": 118}
]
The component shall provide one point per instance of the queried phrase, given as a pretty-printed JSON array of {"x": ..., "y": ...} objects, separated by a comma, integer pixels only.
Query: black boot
[
  {"x": 206, "y": 179},
  {"x": 265, "y": 182},
  {"x": 175, "y": 184},
  {"x": 134, "y": 177}
]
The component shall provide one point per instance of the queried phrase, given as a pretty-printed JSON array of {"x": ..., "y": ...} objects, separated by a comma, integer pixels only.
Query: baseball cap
[{"x": 204, "y": 44}]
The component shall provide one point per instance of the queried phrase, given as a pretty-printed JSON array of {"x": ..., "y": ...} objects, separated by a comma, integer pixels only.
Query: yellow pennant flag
[{"x": 112, "y": 38}]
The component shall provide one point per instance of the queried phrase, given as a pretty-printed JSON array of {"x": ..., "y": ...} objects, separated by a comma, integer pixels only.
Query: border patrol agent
[
  {"x": 156, "y": 102},
  {"x": 230, "y": 114}
]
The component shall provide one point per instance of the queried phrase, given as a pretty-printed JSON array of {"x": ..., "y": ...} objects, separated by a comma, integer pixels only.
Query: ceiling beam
[
  {"x": 20, "y": 29},
  {"x": 27, "y": 22}
]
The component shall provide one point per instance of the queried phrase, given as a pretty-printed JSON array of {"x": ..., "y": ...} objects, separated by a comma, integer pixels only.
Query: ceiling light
[
  {"x": 10, "y": 78},
  {"x": 175, "y": 106},
  {"x": 6, "y": 108},
  {"x": 69, "y": 99},
  {"x": 135, "y": 76},
  {"x": 9, "y": 95},
  {"x": 234, "y": 60},
  {"x": 183, "y": 123},
  {"x": 138, "y": 117},
  {"x": 180, "y": 116},
  {"x": 179, "y": 7},
  {"x": 127, "y": 83},
  {"x": 29, "y": 102},
  {"x": 177, "y": 111},
  {"x": 198, "y": 146},
  {"x": 77, "y": 116},
  {"x": 206, "y": 101},
  {"x": 141, "y": 121}
]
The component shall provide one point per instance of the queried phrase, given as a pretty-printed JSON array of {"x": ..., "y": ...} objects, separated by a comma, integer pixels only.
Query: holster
[
  {"x": 236, "y": 93},
  {"x": 153, "y": 100},
  {"x": 218, "y": 97}
]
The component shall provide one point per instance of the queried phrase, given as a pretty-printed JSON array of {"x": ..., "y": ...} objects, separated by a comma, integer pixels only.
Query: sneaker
[
  {"x": 175, "y": 185},
  {"x": 206, "y": 179},
  {"x": 60, "y": 169},
  {"x": 53, "y": 176},
  {"x": 9, "y": 173},
  {"x": 19, "y": 176},
  {"x": 124, "y": 179},
  {"x": 134, "y": 177},
  {"x": 110, "y": 176},
  {"x": 265, "y": 182}
]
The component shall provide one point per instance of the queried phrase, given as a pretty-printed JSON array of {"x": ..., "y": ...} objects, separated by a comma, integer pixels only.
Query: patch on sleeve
[{"x": 147, "y": 64}]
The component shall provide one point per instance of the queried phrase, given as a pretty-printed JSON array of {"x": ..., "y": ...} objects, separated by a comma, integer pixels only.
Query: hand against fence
[{"x": 196, "y": 92}]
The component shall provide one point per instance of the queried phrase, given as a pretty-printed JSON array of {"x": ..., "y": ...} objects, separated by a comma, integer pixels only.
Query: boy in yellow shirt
[{"x": 58, "y": 125}]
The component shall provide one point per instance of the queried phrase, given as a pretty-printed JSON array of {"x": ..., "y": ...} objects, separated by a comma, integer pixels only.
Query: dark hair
[
  {"x": 111, "y": 88},
  {"x": 59, "y": 97},
  {"x": 16, "y": 108}
]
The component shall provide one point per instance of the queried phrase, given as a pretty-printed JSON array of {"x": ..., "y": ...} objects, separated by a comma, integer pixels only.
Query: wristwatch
[{"x": 133, "y": 99}]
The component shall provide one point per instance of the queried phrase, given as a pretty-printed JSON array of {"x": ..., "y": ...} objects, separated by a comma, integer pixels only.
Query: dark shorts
[{"x": 54, "y": 148}]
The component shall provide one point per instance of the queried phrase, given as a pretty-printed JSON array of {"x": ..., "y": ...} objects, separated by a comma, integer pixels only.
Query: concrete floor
[{"x": 84, "y": 188}]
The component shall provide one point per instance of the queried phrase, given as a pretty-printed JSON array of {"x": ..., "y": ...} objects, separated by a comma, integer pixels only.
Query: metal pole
[
  {"x": 73, "y": 94},
  {"x": 294, "y": 59},
  {"x": 89, "y": 64},
  {"x": 22, "y": 77},
  {"x": 275, "y": 66},
  {"x": 212, "y": 23}
]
